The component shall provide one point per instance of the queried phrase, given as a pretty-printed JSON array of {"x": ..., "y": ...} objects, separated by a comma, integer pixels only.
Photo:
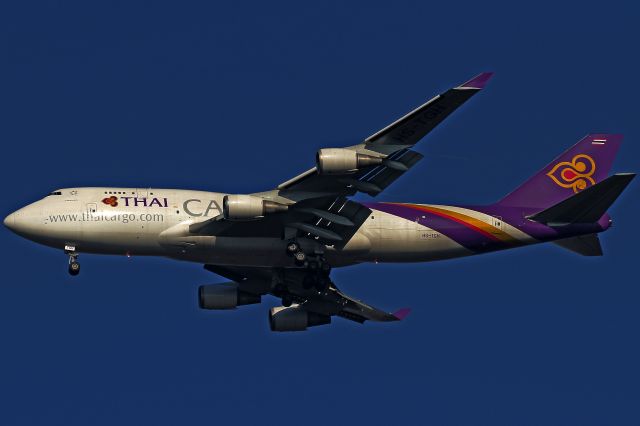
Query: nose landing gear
[{"x": 74, "y": 266}]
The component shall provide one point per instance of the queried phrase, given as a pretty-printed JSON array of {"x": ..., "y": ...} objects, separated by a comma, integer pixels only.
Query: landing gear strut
[
  {"x": 317, "y": 275},
  {"x": 74, "y": 266},
  {"x": 316, "y": 266}
]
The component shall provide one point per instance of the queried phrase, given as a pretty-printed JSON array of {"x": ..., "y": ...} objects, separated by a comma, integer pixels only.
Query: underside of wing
[
  {"x": 370, "y": 180},
  {"x": 306, "y": 305},
  {"x": 408, "y": 130},
  {"x": 328, "y": 220},
  {"x": 381, "y": 158}
]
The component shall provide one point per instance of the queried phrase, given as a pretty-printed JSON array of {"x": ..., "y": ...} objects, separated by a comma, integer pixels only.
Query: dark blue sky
[{"x": 237, "y": 97}]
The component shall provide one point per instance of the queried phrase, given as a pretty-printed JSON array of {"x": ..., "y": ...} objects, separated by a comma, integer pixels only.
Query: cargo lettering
[{"x": 193, "y": 207}]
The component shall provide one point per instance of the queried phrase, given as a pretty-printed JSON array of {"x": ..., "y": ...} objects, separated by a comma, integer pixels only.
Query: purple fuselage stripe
[
  {"x": 516, "y": 217},
  {"x": 480, "y": 243},
  {"x": 461, "y": 234}
]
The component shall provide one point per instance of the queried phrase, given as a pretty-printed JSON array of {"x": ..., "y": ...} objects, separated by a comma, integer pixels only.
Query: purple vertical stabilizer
[{"x": 581, "y": 166}]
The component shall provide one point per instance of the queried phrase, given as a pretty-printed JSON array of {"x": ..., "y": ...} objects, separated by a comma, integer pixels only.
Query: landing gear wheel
[
  {"x": 74, "y": 268},
  {"x": 293, "y": 247},
  {"x": 300, "y": 257}
]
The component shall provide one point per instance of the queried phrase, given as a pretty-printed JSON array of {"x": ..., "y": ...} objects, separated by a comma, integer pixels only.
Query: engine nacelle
[
  {"x": 248, "y": 207},
  {"x": 335, "y": 161},
  {"x": 295, "y": 318},
  {"x": 224, "y": 296}
]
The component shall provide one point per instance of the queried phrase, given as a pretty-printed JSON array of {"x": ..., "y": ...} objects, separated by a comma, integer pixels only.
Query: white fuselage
[{"x": 155, "y": 222}]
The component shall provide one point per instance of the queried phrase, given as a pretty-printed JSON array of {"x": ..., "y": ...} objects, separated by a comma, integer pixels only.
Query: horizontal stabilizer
[
  {"x": 586, "y": 206},
  {"x": 586, "y": 245}
]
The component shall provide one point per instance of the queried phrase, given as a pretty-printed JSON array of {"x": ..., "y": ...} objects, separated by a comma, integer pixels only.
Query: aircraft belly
[
  {"x": 230, "y": 251},
  {"x": 140, "y": 227},
  {"x": 398, "y": 240}
]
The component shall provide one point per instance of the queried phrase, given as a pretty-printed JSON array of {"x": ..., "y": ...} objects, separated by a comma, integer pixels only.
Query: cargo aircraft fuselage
[
  {"x": 285, "y": 241},
  {"x": 155, "y": 222}
]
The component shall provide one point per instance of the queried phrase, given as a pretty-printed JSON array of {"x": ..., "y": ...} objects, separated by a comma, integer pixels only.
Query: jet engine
[
  {"x": 295, "y": 318},
  {"x": 248, "y": 207},
  {"x": 224, "y": 296},
  {"x": 335, "y": 161}
]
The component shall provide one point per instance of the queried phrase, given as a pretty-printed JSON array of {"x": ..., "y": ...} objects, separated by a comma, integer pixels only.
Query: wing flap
[
  {"x": 334, "y": 220},
  {"x": 356, "y": 213},
  {"x": 383, "y": 176},
  {"x": 358, "y": 309},
  {"x": 334, "y": 302}
]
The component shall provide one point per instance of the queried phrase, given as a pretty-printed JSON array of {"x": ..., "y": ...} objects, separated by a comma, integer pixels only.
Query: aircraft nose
[
  {"x": 10, "y": 221},
  {"x": 20, "y": 222},
  {"x": 27, "y": 222}
]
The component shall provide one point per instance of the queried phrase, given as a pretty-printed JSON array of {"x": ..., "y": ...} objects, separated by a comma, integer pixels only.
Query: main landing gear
[
  {"x": 293, "y": 249},
  {"x": 74, "y": 266},
  {"x": 317, "y": 275},
  {"x": 316, "y": 266}
]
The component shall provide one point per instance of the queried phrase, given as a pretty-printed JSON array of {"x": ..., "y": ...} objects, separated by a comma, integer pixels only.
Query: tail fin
[
  {"x": 587, "y": 206},
  {"x": 581, "y": 166}
]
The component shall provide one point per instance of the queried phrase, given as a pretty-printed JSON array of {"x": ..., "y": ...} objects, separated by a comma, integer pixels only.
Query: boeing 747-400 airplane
[{"x": 285, "y": 241}]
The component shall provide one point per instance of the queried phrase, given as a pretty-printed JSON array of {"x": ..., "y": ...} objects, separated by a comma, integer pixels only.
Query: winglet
[
  {"x": 477, "y": 82},
  {"x": 402, "y": 313}
]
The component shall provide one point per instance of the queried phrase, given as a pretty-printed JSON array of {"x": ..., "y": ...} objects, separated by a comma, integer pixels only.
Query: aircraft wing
[
  {"x": 316, "y": 202},
  {"x": 330, "y": 302},
  {"x": 393, "y": 143},
  {"x": 408, "y": 130},
  {"x": 313, "y": 209}
]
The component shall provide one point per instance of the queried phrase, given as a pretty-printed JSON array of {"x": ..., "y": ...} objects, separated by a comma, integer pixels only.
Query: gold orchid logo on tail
[{"x": 575, "y": 174}]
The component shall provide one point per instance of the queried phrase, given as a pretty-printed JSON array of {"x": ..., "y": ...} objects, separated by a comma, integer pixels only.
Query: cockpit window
[{"x": 55, "y": 193}]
